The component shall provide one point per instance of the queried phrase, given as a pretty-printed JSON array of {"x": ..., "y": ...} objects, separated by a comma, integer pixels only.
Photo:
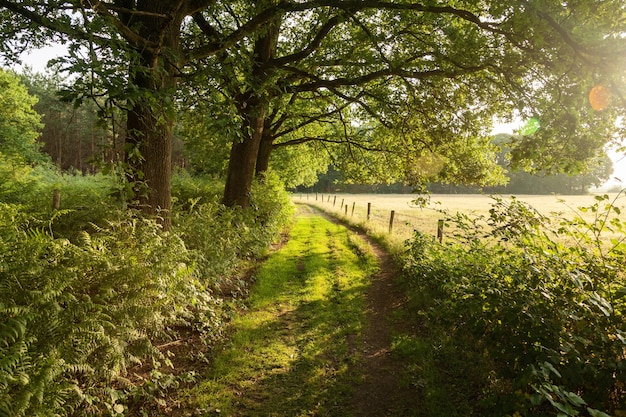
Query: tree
[
  {"x": 594, "y": 172},
  {"x": 19, "y": 123},
  {"x": 75, "y": 137},
  {"x": 433, "y": 76},
  {"x": 130, "y": 52}
]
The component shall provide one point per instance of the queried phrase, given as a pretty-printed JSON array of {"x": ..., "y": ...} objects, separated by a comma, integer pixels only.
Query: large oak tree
[{"x": 418, "y": 83}]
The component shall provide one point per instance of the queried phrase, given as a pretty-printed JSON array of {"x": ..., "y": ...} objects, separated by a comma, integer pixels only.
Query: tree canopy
[
  {"x": 19, "y": 123},
  {"x": 420, "y": 83}
]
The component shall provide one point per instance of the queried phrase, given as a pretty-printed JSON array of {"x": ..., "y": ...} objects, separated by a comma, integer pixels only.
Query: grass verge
[{"x": 291, "y": 350}]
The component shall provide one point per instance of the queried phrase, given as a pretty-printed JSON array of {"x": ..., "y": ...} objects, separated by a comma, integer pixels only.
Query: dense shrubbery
[
  {"x": 91, "y": 290},
  {"x": 538, "y": 307}
]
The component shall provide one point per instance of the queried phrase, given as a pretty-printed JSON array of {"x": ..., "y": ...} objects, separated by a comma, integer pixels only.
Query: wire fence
[
  {"x": 401, "y": 224},
  {"x": 383, "y": 214}
]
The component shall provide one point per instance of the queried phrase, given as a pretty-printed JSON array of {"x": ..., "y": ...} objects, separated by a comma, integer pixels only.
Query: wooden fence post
[
  {"x": 440, "y": 231},
  {"x": 369, "y": 210},
  {"x": 56, "y": 199},
  {"x": 393, "y": 213},
  {"x": 334, "y": 201},
  {"x": 353, "y": 204},
  {"x": 328, "y": 200},
  {"x": 346, "y": 210},
  {"x": 341, "y": 206},
  {"x": 316, "y": 197}
]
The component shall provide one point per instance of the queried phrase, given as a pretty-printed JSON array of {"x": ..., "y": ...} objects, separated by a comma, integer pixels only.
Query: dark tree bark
[
  {"x": 253, "y": 107},
  {"x": 150, "y": 117},
  {"x": 265, "y": 151},
  {"x": 241, "y": 166}
]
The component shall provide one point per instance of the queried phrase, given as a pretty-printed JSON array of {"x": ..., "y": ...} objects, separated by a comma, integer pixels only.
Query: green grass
[{"x": 291, "y": 350}]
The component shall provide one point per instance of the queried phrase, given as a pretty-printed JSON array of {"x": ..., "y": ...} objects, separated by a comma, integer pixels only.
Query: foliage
[
  {"x": 386, "y": 84},
  {"x": 86, "y": 311},
  {"x": 219, "y": 249},
  {"x": 19, "y": 123},
  {"x": 81, "y": 136},
  {"x": 594, "y": 173},
  {"x": 383, "y": 102},
  {"x": 539, "y": 305},
  {"x": 85, "y": 302}
]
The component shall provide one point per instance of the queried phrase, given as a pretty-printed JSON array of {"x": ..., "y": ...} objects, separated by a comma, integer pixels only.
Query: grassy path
[{"x": 296, "y": 350}]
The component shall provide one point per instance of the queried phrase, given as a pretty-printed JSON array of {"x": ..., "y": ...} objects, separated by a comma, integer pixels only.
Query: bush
[
  {"x": 83, "y": 300},
  {"x": 541, "y": 304},
  {"x": 76, "y": 314},
  {"x": 221, "y": 237}
]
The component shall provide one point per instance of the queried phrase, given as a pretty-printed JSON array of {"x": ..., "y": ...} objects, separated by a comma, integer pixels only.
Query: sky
[{"x": 38, "y": 60}]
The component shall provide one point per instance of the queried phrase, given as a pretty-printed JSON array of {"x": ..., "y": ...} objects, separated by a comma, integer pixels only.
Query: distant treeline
[{"x": 519, "y": 182}]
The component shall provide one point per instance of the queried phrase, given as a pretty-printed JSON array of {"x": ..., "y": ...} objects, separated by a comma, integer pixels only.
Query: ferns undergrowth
[{"x": 89, "y": 291}]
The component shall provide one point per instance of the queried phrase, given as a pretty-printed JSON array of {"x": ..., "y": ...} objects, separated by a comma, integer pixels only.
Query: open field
[{"x": 409, "y": 217}]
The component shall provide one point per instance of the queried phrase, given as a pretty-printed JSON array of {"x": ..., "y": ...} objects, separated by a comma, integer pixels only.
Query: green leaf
[
  {"x": 575, "y": 399},
  {"x": 550, "y": 367},
  {"x": 596, "y": 413}
]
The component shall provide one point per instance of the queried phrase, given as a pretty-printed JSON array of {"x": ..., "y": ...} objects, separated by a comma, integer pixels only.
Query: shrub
[
  {"x": 541, "y": 303},
  {"x": 83, "y": 300},
  {"x": 222, "y": 237},
  {"x": 78, "y": 314}
]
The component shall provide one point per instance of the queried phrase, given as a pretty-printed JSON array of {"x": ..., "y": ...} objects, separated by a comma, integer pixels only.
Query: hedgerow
[
  {"x": 538, "y": 304},
  {"x": 85, "y": 301}
]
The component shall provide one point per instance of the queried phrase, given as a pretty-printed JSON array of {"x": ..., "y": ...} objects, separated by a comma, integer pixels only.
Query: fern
[{"x": 80, "y": 306}]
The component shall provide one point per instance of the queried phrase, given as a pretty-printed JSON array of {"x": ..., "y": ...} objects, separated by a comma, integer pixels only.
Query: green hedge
[{"x": 539, "y": 304}]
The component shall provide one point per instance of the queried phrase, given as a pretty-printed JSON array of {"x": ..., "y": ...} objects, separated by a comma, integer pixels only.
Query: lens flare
[
  {"x": 532, "y": 125},
  {"x": 429, "y": 164},
  {"x": 599, "y": 97}
]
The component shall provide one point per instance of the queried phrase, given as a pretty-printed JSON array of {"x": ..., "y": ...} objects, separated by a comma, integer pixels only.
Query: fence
[{"x": 401, "y": 224}]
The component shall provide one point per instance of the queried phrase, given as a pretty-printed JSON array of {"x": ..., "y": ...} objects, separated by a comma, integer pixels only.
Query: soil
[{"x": 384, "y": 391}]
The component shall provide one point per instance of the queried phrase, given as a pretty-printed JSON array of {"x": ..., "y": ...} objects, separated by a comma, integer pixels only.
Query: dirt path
[
  {"x": 293, "y": 351},
  {"x": 383, "y": 391}
]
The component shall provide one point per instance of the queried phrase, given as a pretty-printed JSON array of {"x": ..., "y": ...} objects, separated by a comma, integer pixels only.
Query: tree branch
[
  {"x": 119, "y": 9},
  {"x": 569, "y": 40},
  {"x": 310, "y": 120},
  {"x": 375, "y": 75},
  {"x": 307, "y": 139},
  {"x": 44, "y": 22},
  {"x": 312, "y": 47},
  {"x": 240, "y": 33},
  {"x": 126, "y": 32}
]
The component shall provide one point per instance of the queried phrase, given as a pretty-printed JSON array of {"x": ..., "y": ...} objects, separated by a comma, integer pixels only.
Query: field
[{"x": 409, "y": 217}]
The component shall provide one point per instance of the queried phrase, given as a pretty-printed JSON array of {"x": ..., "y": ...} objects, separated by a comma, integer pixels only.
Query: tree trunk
[
  {"x": 149, "y": 156},
  {"x": 263, "y": 157},
  {"x": 150, "y": 116},
  {"x": 241, "y": 165},
  {"x": 253, "y": 106}
]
